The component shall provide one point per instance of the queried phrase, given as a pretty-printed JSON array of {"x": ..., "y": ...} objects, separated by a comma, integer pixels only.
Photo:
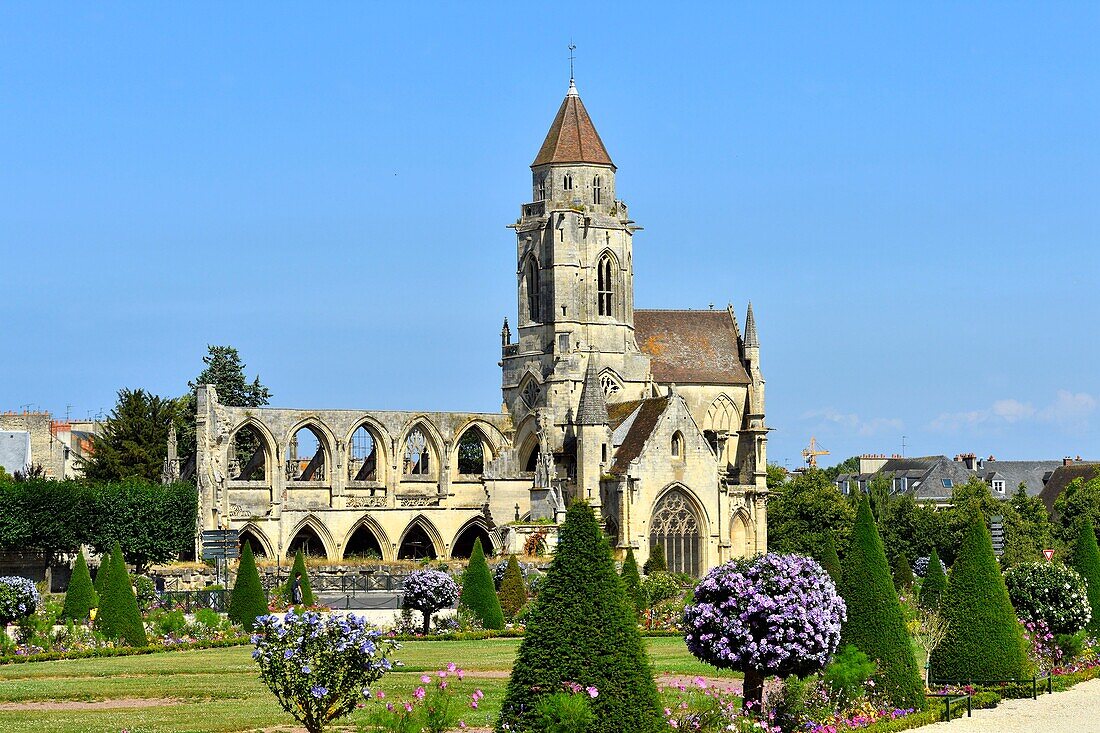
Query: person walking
[{"x": 296, "y": 589}]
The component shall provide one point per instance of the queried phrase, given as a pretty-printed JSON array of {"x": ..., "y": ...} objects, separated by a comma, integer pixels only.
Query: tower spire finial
[{"x": 572, "y": 48}]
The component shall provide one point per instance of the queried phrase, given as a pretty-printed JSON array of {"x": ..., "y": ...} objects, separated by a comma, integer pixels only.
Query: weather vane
[{"x": 572, "y": 48}]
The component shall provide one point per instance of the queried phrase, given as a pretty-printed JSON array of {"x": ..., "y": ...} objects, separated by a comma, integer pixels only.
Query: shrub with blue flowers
[
  {"x": 429, "y": 591},
  {"x": 769, "y": 615},
  {"x": 319, "y": 667},
  {"x": 18, "y": 599},
  {"x": 1051, "y": 593}
]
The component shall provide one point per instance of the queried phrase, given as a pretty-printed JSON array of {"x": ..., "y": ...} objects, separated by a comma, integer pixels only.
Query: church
[{"x": 653, "y": 417}]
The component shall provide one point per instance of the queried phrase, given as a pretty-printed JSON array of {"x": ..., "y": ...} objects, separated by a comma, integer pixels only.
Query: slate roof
[
  {"x": 642, "y": 416},
  {"x": 1062, "y": 477},
  {"x": 593, "y": 407},
  {"x": 572, "y": 137},
  {"x": 691, "y": 347},
  {"x": 1033, "y": 474}
]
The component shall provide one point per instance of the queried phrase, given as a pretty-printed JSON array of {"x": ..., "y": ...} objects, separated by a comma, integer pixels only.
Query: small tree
[
  {"x": 931, "y": 630},
  {"x": 81, "y": 597},
  {"x": 875, "y": 621},
  {"x": 633, "y": 582},
  {"x": 119, "y": 617},
  {"x": 903, "y": 574},
  {"x": 429, "y": 591},
  {"x": 478, "y": 595},
  {"x": 828, "y": 558},
  {"x": 984, "y": 640},
  {"x": 1086, "y": 561},
  {"x": 513, "y": 594},
  {"x": 656, "y": 562},
  {"x": 1051, "y": 593},
  {"x": 299, "y": 571},
  {"x": 583, "y": 630},
  {"x": 935, "y": 582},
  {"x": 248, "y": 601},
  {"x": 770, "y": 615}
]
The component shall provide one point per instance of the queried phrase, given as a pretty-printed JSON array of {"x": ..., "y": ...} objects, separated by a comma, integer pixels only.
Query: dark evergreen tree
[
  {"x": 875, "y": 623},
  {"x": 1086, "y": 561},
  {"x": 248, "y": 599},
  {"x": 479, "y": 596},
  {"x": 828, "y": 559},
  {"x": 656, "y": 562},
  {"x": 81, "y": 597},
  {"x": 513, "y": 593},
  {"x": 133, "y": 440},
  {"x": 299, "y": 570},
  {"x": 903, "y": 574},
  {"x": 935, "y": 583},
  {"x": 119, "y": 617},
  {"x": 632, "y": 581},
  {"x": 583, "y": 629},
  {"x": 984, "y": 639},
  {"x": 224, "y": 370}
]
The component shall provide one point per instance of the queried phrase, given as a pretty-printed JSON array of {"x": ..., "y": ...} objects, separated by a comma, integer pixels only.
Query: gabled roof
[
  {"x": 572, "y": 137},
  {"x": 645, "y": 414},
  {"x": 691, "y": 347},
  {"x": 1062, "y": 477}
]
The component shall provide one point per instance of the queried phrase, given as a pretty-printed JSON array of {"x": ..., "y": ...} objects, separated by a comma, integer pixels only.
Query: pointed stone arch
[
  {"x": 609, "y": 284},
  {"x": 254, "y": 536},
  {"x": 678, "y": 523},
  {"x": 722, "y": 417},
  {"x": 420, "y": 539},
  {"x": 319, "y": 466},
  {"x": 308, "y": 528},
  {"x": 366, "y": 528},
  {"x": 463, "y": 543},
  {"x": 409, "y": 457},
  {"x": 241, "y": 467},
  {"x": 473, "y": 448},
  {"x": 611, "y": 382},
  {"x": 359, "y": 466},
  {"x": 742, "y": 534}
]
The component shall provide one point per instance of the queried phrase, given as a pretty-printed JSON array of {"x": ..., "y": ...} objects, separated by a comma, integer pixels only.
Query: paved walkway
[{"x": 1076, "y": 710}]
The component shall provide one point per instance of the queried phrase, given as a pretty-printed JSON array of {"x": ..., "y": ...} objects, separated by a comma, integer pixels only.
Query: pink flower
[
  {"x": 419, "y": 694},
  {"x": 451, "y": 667},
  {"x": 592, "y": 691},
  {"x": 425, "y": 679}
]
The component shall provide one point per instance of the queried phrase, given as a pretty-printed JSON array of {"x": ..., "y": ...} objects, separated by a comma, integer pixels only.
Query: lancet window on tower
[
  {"x": 541, "y": 191},
  {"x": 597, "y": 191},
  {"x": 531, "y": 276},
  {"x": 567, "y": 182},
  {"x": 603, "y": 286}
]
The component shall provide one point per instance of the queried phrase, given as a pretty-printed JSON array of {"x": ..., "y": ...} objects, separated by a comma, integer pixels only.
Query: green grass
[{"x": 219, "y": 689}]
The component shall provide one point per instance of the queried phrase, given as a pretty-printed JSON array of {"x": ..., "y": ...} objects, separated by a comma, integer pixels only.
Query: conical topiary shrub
[
  {"x": 903, "y": 574},
  {"x": 984, "y": 639},
  {"x": 513, "y": 593},
  {"x": 102, "y": 574},
  {"x": 119, "y": 617},
  {"x": 81, "y": 597},
  {"x": 875, "y": 622},
  {"x": 1086, "y": 561},
  {"x": 935, "y": 582},
  {"x": 656, "y": 562},
  {"x": 299, "y": 569},
  {"x": 632, "y": 581},
  {"x": 479, "y": 596},
  {"x": 828, "y": 558},
  {"x": 583, "y": 630},
  {"x": 248, "y": 599}
]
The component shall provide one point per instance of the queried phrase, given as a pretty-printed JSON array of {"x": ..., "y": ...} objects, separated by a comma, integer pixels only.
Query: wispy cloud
[
  {"x": 852, "y": 422},
  {"x": 1069, "y": 410}
]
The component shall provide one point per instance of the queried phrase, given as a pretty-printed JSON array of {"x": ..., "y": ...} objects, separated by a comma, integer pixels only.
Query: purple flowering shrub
[
  {"x": 319, "y": 667},
  {"x": 769, "y": 615},
  {"x": 18, "y": 598},
  {"x": 429, "y": 591}
]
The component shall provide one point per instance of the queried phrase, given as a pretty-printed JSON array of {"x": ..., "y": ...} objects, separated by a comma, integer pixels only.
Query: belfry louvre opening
[{"x": 675, "y": 527}]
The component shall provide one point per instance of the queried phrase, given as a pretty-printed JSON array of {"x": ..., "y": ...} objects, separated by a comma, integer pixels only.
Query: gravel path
[{"x": 1072, "y": 711}]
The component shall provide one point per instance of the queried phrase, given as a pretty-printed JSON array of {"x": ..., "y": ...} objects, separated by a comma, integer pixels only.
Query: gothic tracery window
[
  {"x": 603, "y": 285},
  {"x": 363, "y": 458},
  {"x": 675, "y": 528},
  {"x": 417, "y": 454},
  {"x": 530, "y": 393},
  {"x": 609, "y": 384}
]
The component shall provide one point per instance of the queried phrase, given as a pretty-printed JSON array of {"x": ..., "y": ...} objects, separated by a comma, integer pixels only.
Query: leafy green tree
[
  {"x": 803, "y": 510},
  {"x": 1086, "y": 561},
  {"x": 632, "y": 581},
  {"x": 1028, "y": 529},
  {"x": 43, "y": 516},
  {"x": 513, "y": 593},
  {"x": 935, "y": 583},
  {"x": 912, "y": 530},
  {"x": 1080, "y": 499},
  {"x": 118, "y": 616},
  {"x": 133, "y": 440},
  {"x": 878, "y": 493},
  {"x": 984, "y": 639},
  {"x": 583, "y": 629},
  {"x": 299, "y": 570},
  {"x": 875, "y": 622},
  {"x": 248, "y": 600},
  {"x": 81, "y": 597},
  {"x": 848, "y": 465},
  {"x": 478, "y": 594},
  {"x": 152, "y": 522},
  {"x": 225, "y": 371},
  {"x": 975, "y": 497},
  {"x": 776, "y": 476},
  {"x": 828, "y": 558}
]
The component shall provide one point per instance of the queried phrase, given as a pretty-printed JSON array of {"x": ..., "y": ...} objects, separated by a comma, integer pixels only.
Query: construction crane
[{"x": 811, "y": 453}]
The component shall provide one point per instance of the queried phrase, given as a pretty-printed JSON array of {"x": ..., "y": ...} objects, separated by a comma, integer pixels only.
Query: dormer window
[
  {"x": 999, "y": 486},
  {"x": 567, "y": 182},
  {"x": 597, "y": 191}
]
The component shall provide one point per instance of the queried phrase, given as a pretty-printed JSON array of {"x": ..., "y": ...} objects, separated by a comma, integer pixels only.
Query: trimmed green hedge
[
  {"x": 122, "y": 651},
  {"x": 1086, "y": 561},
  {"x": 479, "y": 596}
]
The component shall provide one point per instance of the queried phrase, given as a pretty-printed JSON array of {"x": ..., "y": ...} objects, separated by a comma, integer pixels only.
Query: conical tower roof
[
  {"x": 572, "y": 137},
  {"x": 593, "y": 407}
]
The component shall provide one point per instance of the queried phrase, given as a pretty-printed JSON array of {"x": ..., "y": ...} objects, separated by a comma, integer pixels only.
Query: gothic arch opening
[
  {"x": 463, "y": 546},
  {"x": 363, "y": 544},
  {"x": 307, "y": 455},
  {"x": 419, "y": 453},
  {"x": 474, "y": 451},
  {"x": 250, "y": 536},
  {"x": 308, "y": 541},
  {"x": 721, "y": 418},
  {"x": 605, "y": 284},
  {"x": 531, "y": 290},
  {"x": 365, "y": 461},
  {"x": 416, "y": 544},
  {"x": 249, "y": 457},
  {"x": 676, "y": 527},
  {"x": 741, "y": 535}
]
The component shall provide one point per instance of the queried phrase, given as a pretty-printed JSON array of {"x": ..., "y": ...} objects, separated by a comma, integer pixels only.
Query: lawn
[{"x": 218, "y": 690}]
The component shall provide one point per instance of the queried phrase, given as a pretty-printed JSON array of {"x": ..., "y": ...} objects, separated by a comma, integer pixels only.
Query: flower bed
[{"x": 122, "y": 651}]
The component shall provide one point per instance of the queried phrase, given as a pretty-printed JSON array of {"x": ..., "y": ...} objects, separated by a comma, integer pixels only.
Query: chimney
[
  {"x": 1066, "y": 461},
  {"x": 969, "y": 460}
]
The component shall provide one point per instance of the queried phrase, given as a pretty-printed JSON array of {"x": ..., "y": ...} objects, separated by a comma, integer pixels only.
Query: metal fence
[
  {"x": 348, "y": 583},
  {"x": 190, "y": 601}
]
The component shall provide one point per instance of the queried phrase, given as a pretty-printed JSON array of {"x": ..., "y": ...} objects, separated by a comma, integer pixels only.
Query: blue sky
[{"x": 906, "y": 192}]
